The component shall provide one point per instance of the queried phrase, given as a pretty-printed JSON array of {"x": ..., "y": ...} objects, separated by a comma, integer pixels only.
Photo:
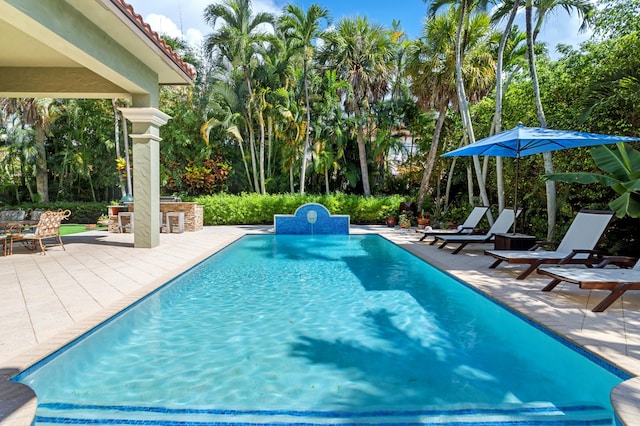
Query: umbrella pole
[{"x": 515, "y": 196}]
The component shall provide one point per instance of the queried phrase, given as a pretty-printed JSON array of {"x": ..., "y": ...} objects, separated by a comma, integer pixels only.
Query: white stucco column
[{"x": 146, "y": 139}]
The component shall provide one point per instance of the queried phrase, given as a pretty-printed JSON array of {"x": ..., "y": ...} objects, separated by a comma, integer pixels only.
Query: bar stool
[
  {"x": 129, "y": 225},
  {"x": 179, "y": 216}
]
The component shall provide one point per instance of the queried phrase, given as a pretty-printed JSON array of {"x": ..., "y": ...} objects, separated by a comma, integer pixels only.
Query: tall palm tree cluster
[{"x": 294, "y": 100}]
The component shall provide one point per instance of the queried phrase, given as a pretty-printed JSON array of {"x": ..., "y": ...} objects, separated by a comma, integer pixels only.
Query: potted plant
[
  {"x": 423, "y": 220},
  {"x": 103, "y": 220},
  {"x": 391, "y": 221},
  {"x": 405, "y": 221}
]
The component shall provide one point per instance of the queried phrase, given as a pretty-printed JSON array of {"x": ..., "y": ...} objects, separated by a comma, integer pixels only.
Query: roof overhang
[{"x": 83, "y": 49}]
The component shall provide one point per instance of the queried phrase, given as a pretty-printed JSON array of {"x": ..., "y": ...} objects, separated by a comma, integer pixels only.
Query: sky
[{"x": 179, "y": 18}]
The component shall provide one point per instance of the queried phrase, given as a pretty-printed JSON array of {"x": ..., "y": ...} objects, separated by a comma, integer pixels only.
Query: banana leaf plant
[{"x": 621, "y": 169}]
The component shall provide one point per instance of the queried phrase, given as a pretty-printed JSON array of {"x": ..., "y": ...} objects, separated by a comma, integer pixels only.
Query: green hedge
[{"x": 252, "y": 209}]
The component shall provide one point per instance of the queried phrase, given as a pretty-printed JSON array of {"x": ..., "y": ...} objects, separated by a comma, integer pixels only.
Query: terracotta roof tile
[{"x": 146, "y": 28}]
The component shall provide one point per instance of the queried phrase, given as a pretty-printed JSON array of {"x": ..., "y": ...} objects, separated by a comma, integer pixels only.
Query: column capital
[{"x": 145, "y": 115}]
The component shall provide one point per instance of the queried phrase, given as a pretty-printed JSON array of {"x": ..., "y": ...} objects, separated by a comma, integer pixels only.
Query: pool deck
[{"x": 46, "y": 301}]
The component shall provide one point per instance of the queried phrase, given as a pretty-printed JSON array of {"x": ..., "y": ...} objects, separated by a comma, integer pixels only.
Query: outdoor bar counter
[{"x": 193, "y": 215}]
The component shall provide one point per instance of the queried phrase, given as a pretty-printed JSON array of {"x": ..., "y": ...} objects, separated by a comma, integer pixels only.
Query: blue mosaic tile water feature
[{"x": 311, "y": 219}]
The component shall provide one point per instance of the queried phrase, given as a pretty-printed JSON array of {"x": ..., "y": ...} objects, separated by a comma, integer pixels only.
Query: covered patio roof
[
  {"x": 83, "y": 49},
  {"x": 96, "y": 49}
]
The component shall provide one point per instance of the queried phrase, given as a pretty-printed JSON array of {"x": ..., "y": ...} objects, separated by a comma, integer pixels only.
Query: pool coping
[{"x": 18, "y": 402}]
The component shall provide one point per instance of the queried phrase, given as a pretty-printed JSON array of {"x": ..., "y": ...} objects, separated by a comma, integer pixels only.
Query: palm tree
[
  {"x": 361, "y": 54},
  {"x": 464, "y": 9},
  {"x": 496, "y": 125},
  {"x": 434, "y": 69},
  {"x": 301, "y": 29},
  {"x": 544, "y": 7},
  {"x": 38, "y": 113},
  {"x": 238, "y": 41},
  {"x": 431, "y": 67}
]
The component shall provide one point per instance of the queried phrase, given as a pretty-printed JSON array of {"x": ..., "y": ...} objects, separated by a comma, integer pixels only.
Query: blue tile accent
[{"x": 311, "y": 219}]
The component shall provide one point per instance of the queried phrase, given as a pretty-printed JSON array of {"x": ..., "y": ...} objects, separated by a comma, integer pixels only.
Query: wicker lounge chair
[
  {"x": 577, "y": 246},
  {"x": 616, "y": 280},
  {"x": 501, "y": 225},
  {"x": 466, "y": 228},
  {"x": 48, "y": 227}
]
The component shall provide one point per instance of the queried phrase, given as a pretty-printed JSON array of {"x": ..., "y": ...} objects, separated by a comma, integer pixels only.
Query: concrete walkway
[{"x": 46, "y": 301}]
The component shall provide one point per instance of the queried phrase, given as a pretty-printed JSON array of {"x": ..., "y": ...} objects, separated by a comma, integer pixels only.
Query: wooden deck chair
[
  {"x": 500, "y": 226},
  {"x": 616, "y": 280},
  {"x": 466, "y": 228},
  {"x": 577, "y": 246},
  {"x": 48, "y": 227}
]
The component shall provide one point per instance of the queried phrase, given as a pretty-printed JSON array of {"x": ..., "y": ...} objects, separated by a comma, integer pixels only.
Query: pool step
[{"x": 529, "y": 414}]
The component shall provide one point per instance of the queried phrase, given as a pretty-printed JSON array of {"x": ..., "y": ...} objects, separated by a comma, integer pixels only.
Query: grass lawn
[{"x": 75, "y": 228}]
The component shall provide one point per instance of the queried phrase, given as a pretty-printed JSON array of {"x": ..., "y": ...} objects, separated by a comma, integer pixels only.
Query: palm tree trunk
[
  {"x": 362, "y": 153},
  {"x": 464, "y": 104},
  {"x": 548, "y": 161},
  {"x": 496, "y": 125},
  {"x": 259, "y": 111},
  {"x": 42, "y": 184},
  {"x": 431, "y": 157},
  {"x": 252, "y": 137},
  {"x": 116, "y": 138},
  {"x": 326, "y": 180},
  {"x": 305, "y": 151},
  {"x": 269, "y": 144},
  {"x": 291, "y": 180},
  {"x": 125, "y": 134}
]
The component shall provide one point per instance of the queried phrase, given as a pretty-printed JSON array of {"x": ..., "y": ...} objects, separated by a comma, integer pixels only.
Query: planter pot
[
  {"x": 422, "y": 223},
  {"x": 114, "y": 210},
  {"x": 391, "y": 221}
]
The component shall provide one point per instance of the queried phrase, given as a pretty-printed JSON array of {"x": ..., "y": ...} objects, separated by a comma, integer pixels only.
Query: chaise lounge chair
[
  {"x": 576, "y": 246},
  {"x": 466, "y": 228},
  {"x": 501, "y": 225},
  {"x": 616, "y": 280}
]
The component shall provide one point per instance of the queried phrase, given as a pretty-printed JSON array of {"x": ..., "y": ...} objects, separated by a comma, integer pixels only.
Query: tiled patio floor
[{"x": 45, "y": 301}]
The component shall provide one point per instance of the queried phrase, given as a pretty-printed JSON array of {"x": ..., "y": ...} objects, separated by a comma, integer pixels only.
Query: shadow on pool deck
[{"x": 46, "y": 301}]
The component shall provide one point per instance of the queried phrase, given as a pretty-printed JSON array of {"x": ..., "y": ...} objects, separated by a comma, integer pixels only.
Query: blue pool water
[{"x": 319, "y": 330}]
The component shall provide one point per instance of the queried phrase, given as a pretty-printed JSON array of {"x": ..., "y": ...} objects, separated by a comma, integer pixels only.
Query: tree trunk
[
  {"x": 263, "y": 189},
  {"x": 431, "y": 157},
  {"x": 305, "y": 151},
  {"x": 496, "y": 125},
  {"x": 116, "y": 138},
  {"x": 127, "y": 157},
  {"x": 548, "y": 163},
  {"x": 42, "y": 183},
  {"x": 362, "y": 153},
  {"x": 326, "y": 180},
  {"x": 252, "y": 137},
  {"x": 464, "y": 104}
]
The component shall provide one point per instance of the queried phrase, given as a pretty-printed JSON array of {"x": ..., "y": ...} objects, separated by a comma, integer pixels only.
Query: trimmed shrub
[{"x": 246, "y": 209}]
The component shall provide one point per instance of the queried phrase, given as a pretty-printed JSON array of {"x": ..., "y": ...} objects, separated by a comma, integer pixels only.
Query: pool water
[{"x": 317, "y": 330}]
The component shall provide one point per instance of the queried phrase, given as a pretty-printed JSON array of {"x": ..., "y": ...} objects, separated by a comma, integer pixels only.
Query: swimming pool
[{"x": 324, "y": 329}]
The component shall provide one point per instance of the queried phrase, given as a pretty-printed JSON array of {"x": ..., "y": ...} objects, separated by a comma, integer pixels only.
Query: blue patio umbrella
[{"x": 522, "y": 141}]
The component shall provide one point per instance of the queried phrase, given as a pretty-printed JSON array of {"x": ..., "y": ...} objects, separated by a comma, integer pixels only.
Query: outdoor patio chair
[
  {"x": 500, "y": 226},
  {"x": 600, "y": 277},
  {"x": 577, "y": 246},
  {"x": 48, "y": 227},
  {"x": 466, "y": 228},
  {"x": 12, "y": 215}
]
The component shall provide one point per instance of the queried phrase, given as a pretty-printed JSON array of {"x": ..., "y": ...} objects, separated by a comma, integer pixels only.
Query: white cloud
[{"x": 183, "y": 18}]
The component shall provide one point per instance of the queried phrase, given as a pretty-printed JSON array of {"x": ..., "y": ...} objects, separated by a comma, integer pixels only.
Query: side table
[{"x": 511, "y": 241}]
